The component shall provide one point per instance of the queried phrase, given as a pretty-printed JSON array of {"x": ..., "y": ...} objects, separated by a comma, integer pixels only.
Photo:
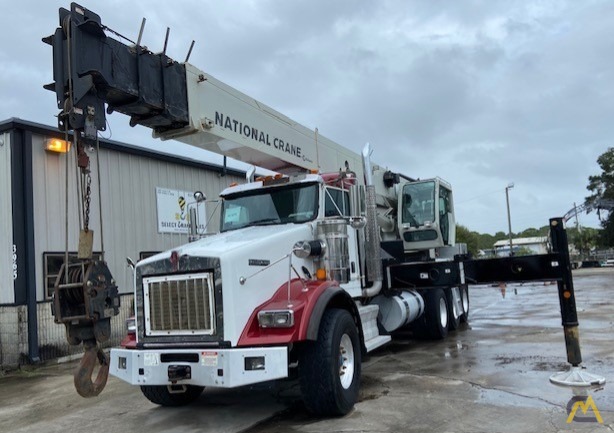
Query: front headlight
[{"x": 276, "y": 318}]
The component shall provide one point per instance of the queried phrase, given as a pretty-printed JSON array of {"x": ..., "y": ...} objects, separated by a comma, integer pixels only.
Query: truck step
[
  {"x": 368, "y": 318},
  {"x": 376, "y": 342}
]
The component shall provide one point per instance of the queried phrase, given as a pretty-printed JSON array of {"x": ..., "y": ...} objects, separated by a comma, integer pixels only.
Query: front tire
[
  {"x": 329, "y": 368},
  {"x": 171, "y": 395}
]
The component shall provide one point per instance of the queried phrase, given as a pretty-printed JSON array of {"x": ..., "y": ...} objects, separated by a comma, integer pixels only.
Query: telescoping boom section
[{"x": 176, "y": 100}]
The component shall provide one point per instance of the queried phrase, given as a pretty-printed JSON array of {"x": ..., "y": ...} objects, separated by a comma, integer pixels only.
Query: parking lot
[{"x": 490, "y": 376}]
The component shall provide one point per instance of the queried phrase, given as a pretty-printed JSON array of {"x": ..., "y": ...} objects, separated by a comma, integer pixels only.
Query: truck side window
[{"x": 336, "y": 202}]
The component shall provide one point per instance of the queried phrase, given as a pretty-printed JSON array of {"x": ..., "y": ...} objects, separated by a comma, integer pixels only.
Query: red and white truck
[{"x": 312, "y": 268}]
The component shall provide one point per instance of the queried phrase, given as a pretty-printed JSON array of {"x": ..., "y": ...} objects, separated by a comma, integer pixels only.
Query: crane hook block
[{"x": 83, "y": 374}]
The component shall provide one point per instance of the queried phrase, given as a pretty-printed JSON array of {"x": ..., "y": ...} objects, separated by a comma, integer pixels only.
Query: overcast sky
[{"x": 480, "y": 93}]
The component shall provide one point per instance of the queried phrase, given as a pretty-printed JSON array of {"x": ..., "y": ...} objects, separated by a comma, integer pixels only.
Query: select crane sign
[
  {"x": 313, "y": 268},
  {"x": 173, "y": 208}
]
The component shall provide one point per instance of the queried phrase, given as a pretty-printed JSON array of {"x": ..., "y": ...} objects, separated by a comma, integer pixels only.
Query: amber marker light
[
  {"x": 56, "y": 145},
  {"x": 321, "y": 274}
]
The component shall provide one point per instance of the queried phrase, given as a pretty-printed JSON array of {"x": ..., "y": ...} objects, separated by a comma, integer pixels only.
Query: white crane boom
[
  {"x": 176, "y": 100},
  {"x": 228, "y": 122}
]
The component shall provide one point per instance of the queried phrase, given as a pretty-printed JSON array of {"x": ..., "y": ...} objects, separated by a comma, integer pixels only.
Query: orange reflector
[
  {"x": 321, "y": 274},
  {"x": 314, "y": 171},
  {"x": 259, "y": 179},
  {"x": 566, "y": 294},
  {"x": 56, "y": 145},
  {"x": 278, "y": 176},
  {"x": 233, "y": 184}
]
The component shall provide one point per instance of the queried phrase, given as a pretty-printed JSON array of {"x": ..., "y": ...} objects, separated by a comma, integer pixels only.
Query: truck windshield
[
  {"x": 418, "y": 205},
  {"x": 276, "y": 205}
]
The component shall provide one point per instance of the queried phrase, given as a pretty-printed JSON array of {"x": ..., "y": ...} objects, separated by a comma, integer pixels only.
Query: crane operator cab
[{"x": 426, "y": 215}]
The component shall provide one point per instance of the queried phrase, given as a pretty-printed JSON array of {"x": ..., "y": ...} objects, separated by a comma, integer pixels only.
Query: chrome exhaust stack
[{"x": 373, "y": 259}]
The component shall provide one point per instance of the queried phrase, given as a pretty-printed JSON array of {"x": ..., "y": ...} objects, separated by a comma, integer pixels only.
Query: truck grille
[{"x": 179, "y": 304}]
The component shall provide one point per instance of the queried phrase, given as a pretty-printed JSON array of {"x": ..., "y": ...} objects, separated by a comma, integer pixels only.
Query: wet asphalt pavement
[{"x": 491, "y": 376}]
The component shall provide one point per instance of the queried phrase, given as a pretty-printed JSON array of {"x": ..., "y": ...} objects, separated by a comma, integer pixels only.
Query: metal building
[
  {"x": 145, "y": 199},
  {"x": 536, "y": 245}
]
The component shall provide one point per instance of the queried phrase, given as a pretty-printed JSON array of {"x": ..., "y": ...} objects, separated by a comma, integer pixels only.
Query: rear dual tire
[
  {"x": 464, "y": 291},
  {"x": 436, "y": 314}
]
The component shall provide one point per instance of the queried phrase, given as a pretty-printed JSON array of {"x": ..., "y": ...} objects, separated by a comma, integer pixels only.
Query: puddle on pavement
[{"x": 505, "y": 399}]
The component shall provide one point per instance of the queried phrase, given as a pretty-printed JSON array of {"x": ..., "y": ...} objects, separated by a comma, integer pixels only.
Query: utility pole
[{"x": 509, "y": 218}]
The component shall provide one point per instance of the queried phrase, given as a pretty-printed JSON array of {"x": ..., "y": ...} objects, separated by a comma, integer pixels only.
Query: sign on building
[{"x": 174, "y": 211}]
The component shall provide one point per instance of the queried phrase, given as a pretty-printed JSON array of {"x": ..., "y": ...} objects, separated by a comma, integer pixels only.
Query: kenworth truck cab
[
  {"x": 312, "y": 268},
  {"x": 244, "y": 305}
]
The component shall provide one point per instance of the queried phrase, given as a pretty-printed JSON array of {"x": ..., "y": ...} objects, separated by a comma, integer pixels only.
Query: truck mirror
[{"x": 358, "y": 222}]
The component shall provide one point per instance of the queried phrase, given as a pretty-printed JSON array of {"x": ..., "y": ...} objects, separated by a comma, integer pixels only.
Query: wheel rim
[
  {"x": 465, "y": 299},
  {"x": 346, "y": 361},
  {"x": 443, "y": 313}
]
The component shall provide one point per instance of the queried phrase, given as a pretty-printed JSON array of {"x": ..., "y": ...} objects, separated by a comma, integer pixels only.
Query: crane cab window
[
  {"x": 336, "y": 202},
  {"x": 418, "y": 204},
  {"x": 445, "y": 207}
]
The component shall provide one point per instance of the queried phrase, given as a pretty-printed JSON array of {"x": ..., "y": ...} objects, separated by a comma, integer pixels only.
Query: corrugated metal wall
[
  {"x": 52, "y": 341},
  {"x": 128, "y": 201},
  {"x": 7, "y": 294}
]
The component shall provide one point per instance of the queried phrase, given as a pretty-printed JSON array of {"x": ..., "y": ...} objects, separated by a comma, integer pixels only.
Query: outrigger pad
[{"x": 576, "y": 376}]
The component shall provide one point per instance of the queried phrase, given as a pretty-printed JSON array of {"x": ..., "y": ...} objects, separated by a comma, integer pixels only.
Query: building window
[{"x": 52, "y": 263}]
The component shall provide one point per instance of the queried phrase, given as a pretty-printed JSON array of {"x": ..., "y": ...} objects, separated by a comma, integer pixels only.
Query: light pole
[{"x": 509, "y": 219}]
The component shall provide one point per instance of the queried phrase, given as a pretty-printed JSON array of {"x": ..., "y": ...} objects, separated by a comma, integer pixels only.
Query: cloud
[{"x": 480, "y": 93}]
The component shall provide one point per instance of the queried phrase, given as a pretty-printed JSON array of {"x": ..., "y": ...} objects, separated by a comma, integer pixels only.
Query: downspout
[{"x": 373, "y": 257}]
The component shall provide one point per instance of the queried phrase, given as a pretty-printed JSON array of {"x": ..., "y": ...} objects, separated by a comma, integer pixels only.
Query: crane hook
[{"x": 83, "y": 374}]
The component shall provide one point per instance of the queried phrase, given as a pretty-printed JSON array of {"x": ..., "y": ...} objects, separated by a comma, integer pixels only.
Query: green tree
[
  {"x": 529, "y": 233},
  {"x": 601, "y": 187},
  {"x": 466, "y": 236},
  {"x": 485, "y": 241},
  {"x": 500, "y": 235},
  {"x": 584, "y": 239},
  {"x": 606, "y": 238}
]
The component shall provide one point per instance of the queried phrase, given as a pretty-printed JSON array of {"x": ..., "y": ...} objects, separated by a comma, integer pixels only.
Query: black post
[
  {"x": 23, "y": 232},
  {"x": 567, "y": 298}
]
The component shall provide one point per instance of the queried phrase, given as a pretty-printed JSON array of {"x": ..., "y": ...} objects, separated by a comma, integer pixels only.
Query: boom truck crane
[{"x": 313, "y": 268}]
